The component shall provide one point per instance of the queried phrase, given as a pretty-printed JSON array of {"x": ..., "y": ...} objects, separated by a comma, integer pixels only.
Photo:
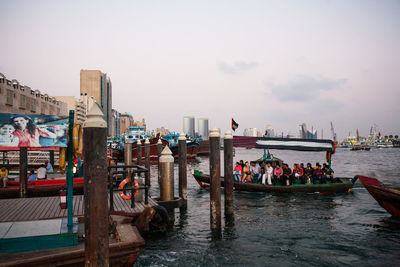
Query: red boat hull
[
  {"x": 388, "y": 197},
  {"x": 41, "y": 188}
]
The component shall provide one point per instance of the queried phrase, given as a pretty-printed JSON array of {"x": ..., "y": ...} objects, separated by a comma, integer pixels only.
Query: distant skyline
[{"x": 280, "y": 63}]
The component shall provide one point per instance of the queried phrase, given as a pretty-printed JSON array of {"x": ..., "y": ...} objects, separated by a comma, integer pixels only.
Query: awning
[{"x": 283, "y": 143}]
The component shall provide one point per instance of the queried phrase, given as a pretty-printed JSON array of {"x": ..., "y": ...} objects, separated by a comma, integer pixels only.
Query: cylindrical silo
[
  {"x": 188, "y": 125},
  {"x": 203, "y": 128}
]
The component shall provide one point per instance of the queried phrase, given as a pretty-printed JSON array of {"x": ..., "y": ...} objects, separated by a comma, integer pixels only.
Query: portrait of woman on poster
[
  {"x": 28, "y": 133},
  {"x": 7, "y": 139}
]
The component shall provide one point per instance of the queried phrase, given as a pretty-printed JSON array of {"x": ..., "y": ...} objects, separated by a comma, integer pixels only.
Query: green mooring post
[{"x": 70, "y": 176}]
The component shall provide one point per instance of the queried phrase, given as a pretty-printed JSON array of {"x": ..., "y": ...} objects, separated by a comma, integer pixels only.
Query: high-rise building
[
  {"x": 203, "y": 128},
  {"x": 21, "y": 99},
  {"x": 126, "y": 121},
  {"x": 188, "y": 125},
  {"x": 116, "y": 123},
  {"x": 96, "y": 84},
  {"x": 78, "y": 105}
]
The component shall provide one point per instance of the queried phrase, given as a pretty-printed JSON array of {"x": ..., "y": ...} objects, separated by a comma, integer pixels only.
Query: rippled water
[{"x": 288, "y": 229}]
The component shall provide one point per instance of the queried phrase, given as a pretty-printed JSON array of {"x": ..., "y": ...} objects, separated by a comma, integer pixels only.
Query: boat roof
[{"x": 298, "y": 144}]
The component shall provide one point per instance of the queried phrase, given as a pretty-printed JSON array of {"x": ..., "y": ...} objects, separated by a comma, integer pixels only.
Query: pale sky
[{"x": 261, "y": 62}]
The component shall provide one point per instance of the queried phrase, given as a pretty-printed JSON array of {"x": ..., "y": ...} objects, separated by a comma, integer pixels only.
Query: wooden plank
[
  {"x": 29, "y": 214},
  {"x": 43, "y": 210},
  {"x": 20, "y": 211}
]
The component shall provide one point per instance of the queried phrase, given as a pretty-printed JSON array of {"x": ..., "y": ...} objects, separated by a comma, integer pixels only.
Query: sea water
[{"x": 292, "y": 229}]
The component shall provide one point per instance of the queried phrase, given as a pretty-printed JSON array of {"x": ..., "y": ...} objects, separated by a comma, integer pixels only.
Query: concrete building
[
  {"x": 78, "y": 105},
  {"x": 115, "y": 123},
  {"x": 18, "y": 99},
  {"x": 202, "y": 124},
  {"x": 251, "y": 132},
  {"x": 140, "y": 123},
  {"x": 162, "y": 131},
  {"x": 188, "y": 125},
  {"x": 269, "y": 131},
  {"x": 96, "y": 84},
  {"x": 307, "y": 134},
  {"x": 126, "y": 120}
]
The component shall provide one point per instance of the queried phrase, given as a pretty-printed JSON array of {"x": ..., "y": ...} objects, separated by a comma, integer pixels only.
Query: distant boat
[
  {"x": 388, "y": 197},
  {"x": 192, "y": 145}
]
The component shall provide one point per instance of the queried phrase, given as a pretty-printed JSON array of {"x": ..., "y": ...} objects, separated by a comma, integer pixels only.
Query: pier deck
[{"x": 40, "y": 208}]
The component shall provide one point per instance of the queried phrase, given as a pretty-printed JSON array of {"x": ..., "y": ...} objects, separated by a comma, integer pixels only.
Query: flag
[{"x": 235, "y": 125}]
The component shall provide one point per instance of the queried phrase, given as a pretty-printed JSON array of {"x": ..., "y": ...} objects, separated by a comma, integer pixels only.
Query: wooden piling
[
  {"x": 139, "y": 152},
  {"x": 215, "y": 175},
  {"x": 182, "y": 162},
  {"x": 96, "y": 206},
  {"x": 147, "y": 162},
  {"x": 228, "y": 174},
  {"x": 23, "y": 172},
  {"x": 159, "y": 150},
  {"x": 52, "y": 158},
  {"x": 166, "y": 175}
]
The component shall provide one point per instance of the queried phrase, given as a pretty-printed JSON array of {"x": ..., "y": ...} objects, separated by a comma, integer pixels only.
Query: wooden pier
[{"x": 40, "y": 208}]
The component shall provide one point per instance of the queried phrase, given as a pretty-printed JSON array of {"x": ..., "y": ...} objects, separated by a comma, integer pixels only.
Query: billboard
[{"x": 26, "y": 130}]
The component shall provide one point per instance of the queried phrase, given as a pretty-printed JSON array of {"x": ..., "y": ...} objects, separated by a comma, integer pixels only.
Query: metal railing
[{"x": 135, "y": 170}]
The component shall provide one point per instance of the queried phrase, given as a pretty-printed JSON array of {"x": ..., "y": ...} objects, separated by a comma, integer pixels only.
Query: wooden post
[
  {"x": 52, "y": 158},
  {"x": 159, "y": 150},
  {"x": 182, "y": 162},
  {"x": 139, "y": 152},
  {"x": 215, "y": 176},
  {"x": 147, "y": 162},
  {"x": 228, "y": 174},
  {"x": 167, "y": 175},
  {"x": 96, "y": 206},
  {"x": 128, "y": 158},
  {"x": 23, "y": 172}
]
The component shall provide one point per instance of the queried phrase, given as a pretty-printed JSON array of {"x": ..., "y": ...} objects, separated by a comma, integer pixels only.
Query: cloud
[
  {"x": 304, "y": 88},
  {"x": 237, "y": 66}
]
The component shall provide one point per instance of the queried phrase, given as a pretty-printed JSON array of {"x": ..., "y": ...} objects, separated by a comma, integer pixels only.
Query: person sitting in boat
[
  {"x": 278, "y": 173},
  {"x": 254, "y": 171},
  {"x": 308, "y": 172},
  {"x": 318, "y": 174},
  {"x": 262, "y": 174},
  {"x": 302, "y": 178},
  {"x": 328, "y": 173},
  {"x": 287, "y": 173},
  {"x": 237, "y": 172},
  {"x": 32, "y": 176},
  {"x": 3, "y": 177},
  {"x": 241, "y": 164},
  {"x": 298, "y": 172},
  {"x": 268, "y": 174},
  {"x": 246, "y": 173}
]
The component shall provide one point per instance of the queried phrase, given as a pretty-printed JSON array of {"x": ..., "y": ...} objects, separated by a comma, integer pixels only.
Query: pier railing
[{"x": 135, "y": 169}]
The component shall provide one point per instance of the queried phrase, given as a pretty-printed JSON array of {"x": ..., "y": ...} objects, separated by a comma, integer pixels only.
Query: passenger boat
[
  {"x": 338, "y": 185},
  {"x": 41, "y": 188},
  {"x": 388, "y": 197}
]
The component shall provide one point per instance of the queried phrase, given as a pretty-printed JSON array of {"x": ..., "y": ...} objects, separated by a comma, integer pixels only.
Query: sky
[{"x": 278, "y": 63}]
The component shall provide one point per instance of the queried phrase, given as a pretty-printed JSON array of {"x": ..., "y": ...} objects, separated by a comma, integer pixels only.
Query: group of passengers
[{"x": 275, "y": 174}]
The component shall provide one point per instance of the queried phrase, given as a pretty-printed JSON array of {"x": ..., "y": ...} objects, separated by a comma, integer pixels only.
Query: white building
[
  {"x": 203, "y": 128},
  {"x": 188, "y": 125}
]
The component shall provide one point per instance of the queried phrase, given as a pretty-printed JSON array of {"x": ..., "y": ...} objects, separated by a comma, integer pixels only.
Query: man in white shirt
[{"x": 41, "y": 173}]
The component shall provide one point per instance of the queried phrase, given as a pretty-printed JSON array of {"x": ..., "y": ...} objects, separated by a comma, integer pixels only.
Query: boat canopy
[{"x": 284, "y": 143}]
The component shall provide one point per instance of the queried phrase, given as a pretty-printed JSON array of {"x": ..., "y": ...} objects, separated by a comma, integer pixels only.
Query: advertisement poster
[{"x": 25, "y": 130}]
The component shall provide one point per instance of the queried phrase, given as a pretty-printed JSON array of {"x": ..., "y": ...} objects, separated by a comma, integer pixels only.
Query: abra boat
[
  {"x": 41, "y": 188},
  {"x": 388, "y": 197},
  {"x": 192, "y": 145},
  {"x": 338, "y": 185}
]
